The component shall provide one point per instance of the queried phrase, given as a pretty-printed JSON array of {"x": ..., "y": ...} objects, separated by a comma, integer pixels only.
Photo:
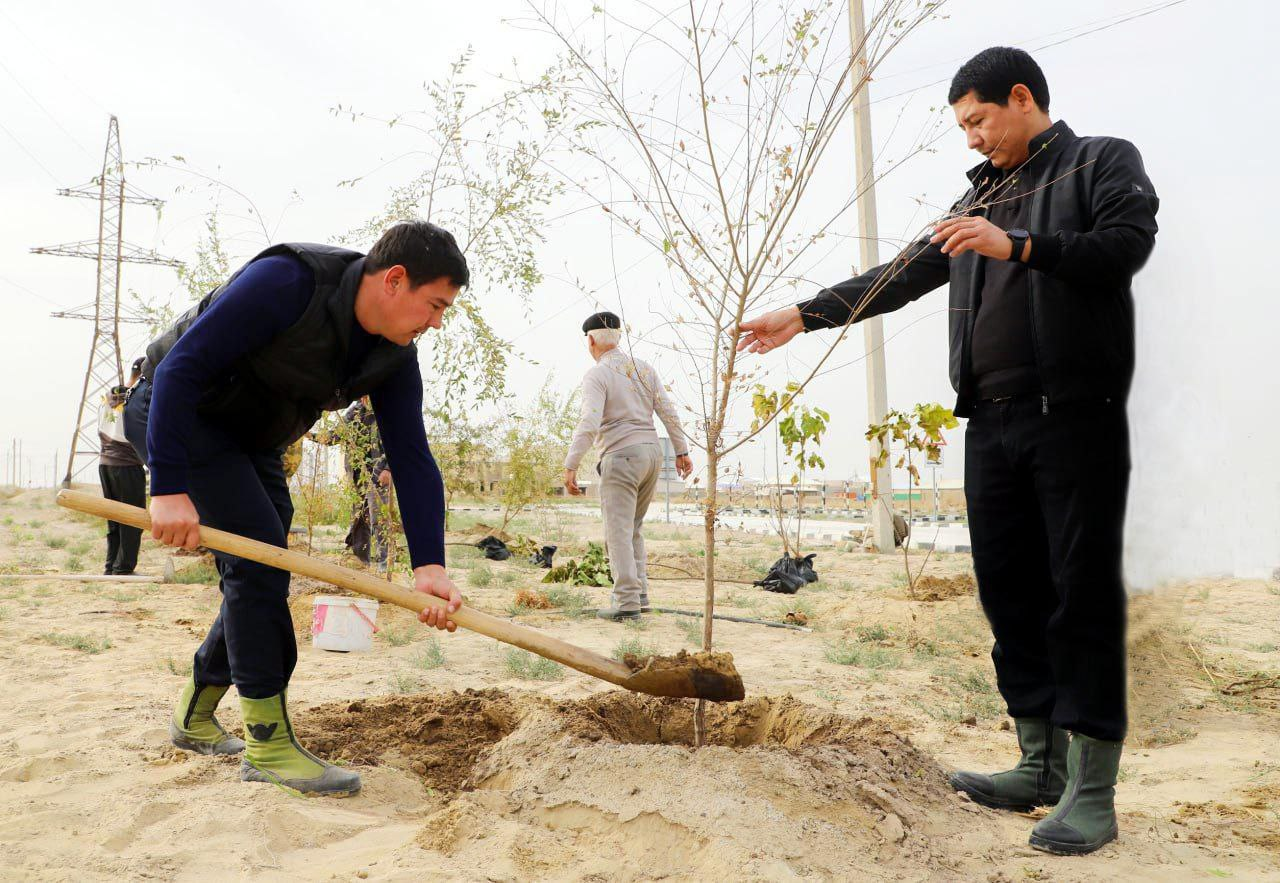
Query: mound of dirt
[
  {"x": 944, "y": 588},
  {"x": 534, "y": 787},
  {"x": 436, "y": 736}
]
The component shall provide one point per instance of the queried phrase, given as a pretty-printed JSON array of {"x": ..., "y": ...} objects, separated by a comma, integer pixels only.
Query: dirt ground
[{"x": 480, "y": 763}]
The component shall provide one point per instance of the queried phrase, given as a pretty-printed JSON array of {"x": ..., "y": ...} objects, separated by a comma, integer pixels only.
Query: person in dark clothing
[
  {"x": 366, "y": 462},
  {"x": 299, "y": 330},
  {"x": 1039, "y": 254},
  {"x": 122, "y": 477}
]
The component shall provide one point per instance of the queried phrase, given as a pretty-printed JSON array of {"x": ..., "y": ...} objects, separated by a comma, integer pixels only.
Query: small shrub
[
  {"x": 202, "y": 573},
  {"x": 635, "y": 646},
  {"x": 83, "y": 643},
  {"x": 79, "y": 547},
  {"x": 850, "y": 653},
  {"x": 692, "y": 628},
  {"x": 397, "y": 637},
  {"x": 528, "y": 667},
  {"x": 74, "y": 563},
  {"x": 35, "y": 524},
  {"x": 480, "y": 576},
  {"x": 569, "y": 600},
  {"x": 795, "y": 605},
  {"x": 55, "y": 542},
  {"x": 527, "y": 600},
  {"x": 403, "y": 681},
  {"x": 872, "y": 634},
  {"x": 430, "y": 656}
]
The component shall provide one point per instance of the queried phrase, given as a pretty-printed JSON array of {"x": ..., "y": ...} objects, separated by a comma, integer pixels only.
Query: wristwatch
[{"x": 1019, "y": 239}]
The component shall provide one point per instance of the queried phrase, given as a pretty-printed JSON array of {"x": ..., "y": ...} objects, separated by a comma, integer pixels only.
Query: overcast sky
[{"x": 244, "y": 92}]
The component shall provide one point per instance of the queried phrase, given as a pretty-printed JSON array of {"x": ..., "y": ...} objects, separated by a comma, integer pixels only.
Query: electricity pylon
[{"x": 110, "y": 251}]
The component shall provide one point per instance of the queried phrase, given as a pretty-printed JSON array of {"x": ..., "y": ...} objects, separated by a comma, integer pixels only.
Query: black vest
[{"x": 272, "y": 396}]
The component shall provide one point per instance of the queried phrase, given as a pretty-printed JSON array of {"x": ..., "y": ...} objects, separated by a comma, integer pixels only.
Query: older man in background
[{"x": 619, "y": 397}]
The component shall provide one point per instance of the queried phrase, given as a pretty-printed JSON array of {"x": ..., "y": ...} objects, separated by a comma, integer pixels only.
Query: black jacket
[
  {"x": 1092, "y": 224},
  {"x": 274, "y": 395}
]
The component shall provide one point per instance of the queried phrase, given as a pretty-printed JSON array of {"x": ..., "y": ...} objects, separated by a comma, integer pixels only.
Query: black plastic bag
[
  {"x": 788, "y": 575},
  {"x": 806, "y": 567},
  {"x": 543, "y": 557},
  {"x": 494, "y": 549}
]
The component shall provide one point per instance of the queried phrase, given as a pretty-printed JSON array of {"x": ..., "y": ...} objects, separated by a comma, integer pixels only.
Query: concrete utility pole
[{"x": 879, "y": 513}]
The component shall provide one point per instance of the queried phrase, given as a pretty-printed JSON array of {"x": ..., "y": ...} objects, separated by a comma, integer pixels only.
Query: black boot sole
[
  {"x": 994, "y": 802},
  {"x": 1056, "y": 848}
]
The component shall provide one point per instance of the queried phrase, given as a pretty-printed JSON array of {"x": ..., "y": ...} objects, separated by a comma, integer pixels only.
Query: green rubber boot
[
  {"x": 1085, "y": 817},
  {"x": 274, "y": 755},
  {"x": 193, "y": 726},
  {"x": 1039, "y": 779}
]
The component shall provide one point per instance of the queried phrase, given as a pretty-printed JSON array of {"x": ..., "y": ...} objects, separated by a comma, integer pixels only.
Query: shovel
[{"x": 686, "y": 676}]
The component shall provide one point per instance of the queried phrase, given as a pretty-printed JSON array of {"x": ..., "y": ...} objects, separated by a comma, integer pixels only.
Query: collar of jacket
[
  {"x": 1047, "y": 143},
  {"x": 342, "y": 306}
]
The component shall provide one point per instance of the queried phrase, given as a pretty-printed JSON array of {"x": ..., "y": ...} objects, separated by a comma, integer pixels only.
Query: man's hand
[
  {"x": 959, "y": 235},
  {"x": 174, "y": 521},
  {"x": 571, "y": 483},
  {"x": 384, "y": 478},
  {"x": 770, "y": 331},
  {"x": 431, "y": 579},
  {"x": 684, "y": 466}
]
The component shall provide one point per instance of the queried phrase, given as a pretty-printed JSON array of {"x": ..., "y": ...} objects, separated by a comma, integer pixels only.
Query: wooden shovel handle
[{"x": 575, "y": 657}]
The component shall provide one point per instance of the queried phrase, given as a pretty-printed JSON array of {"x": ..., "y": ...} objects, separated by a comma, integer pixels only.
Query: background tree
[
  {"x": 479, "y": 173},
  {"x": 535, "y": 442}
]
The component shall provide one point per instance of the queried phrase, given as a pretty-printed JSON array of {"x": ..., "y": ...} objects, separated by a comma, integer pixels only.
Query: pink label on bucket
[{"x": 317, "y": 618}]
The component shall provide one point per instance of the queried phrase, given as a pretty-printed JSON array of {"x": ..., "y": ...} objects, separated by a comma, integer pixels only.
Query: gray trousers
[{"x": 628, "y": 477}]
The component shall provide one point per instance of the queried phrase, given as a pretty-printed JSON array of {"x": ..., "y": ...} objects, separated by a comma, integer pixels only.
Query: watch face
[{"x": 1019, "y": 234}]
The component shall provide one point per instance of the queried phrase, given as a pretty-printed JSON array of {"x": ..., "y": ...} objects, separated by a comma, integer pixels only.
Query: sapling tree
[
  {"x": 710, "y": 127},
  {"x": 918, "y": 434},
  {"x": 799, "y": 431}
]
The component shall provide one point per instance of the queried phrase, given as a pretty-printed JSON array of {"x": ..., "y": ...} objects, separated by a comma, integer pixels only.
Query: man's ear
[
  {"x": 394, "y": 279},
  {"x": 1021, "y": 96}
]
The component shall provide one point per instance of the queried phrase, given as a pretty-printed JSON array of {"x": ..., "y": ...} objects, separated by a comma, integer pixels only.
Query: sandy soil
[{"x": 476, "y": 769}]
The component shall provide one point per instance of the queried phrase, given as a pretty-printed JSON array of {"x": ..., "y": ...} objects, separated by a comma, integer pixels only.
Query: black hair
[
  {"x": 426, "y": 252},
  {"x": 992, "y": 74}
]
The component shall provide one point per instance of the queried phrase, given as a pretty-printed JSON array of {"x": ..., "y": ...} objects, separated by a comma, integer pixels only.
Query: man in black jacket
[
  {"x": 299, "y": 330},
  {"x": 1038, "y": 254}
]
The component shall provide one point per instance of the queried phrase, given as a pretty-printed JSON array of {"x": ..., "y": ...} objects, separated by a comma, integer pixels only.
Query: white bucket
[{"x": 343, "y": 624}]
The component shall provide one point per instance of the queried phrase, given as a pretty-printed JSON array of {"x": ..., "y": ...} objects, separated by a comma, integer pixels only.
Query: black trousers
[
  {"x": 127, "y": 484},
  {"x": 1046, "y": 495},
  {"x": 251, "y": 643}
]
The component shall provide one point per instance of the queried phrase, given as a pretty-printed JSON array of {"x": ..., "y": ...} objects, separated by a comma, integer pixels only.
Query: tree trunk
[{"x": 709, "y": 575}]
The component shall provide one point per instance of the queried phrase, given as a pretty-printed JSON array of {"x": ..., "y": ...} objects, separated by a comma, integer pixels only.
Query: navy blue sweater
[{"x": 268, "y": 297}]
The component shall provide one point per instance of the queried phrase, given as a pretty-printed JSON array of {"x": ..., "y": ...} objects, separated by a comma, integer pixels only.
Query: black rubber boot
[
  {"x": 1085, "y": 818},
  {"x": 1039, "y": 779}
]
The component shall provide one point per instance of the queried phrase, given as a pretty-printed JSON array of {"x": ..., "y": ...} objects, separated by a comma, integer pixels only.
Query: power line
[
  {"x": 34, "y": 294},
  {"x": 35, "y": 159},
  {"x": 37, "y": 103},
  {"x": 1128, "y": 18},
  {"x": 1145, "y": 10}
]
